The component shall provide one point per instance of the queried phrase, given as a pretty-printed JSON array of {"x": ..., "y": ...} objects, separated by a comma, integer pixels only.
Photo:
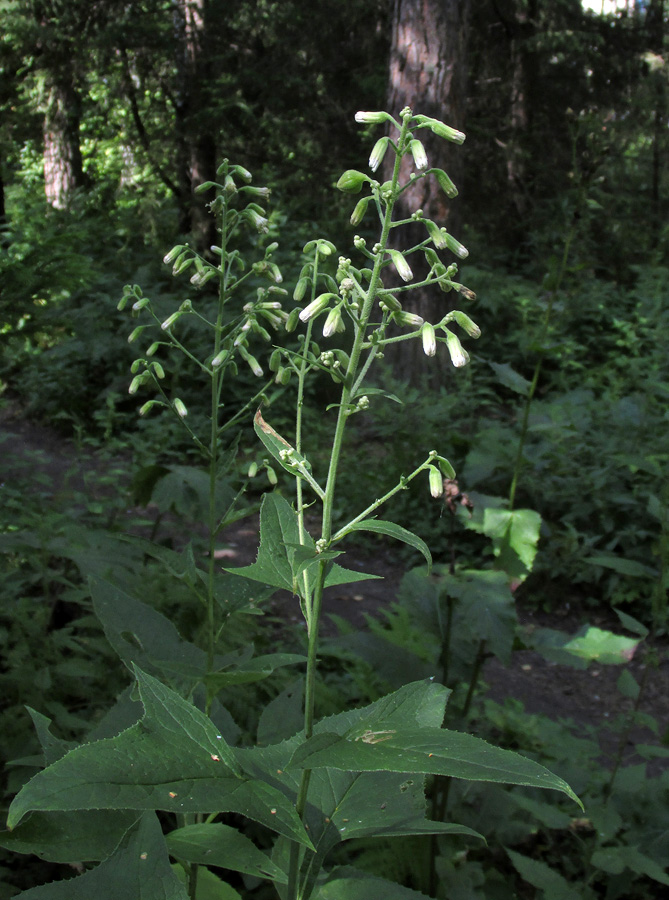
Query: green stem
[
  {"x": 518, "y": 465},
  {"x": 328, "y": 501},
  {"x": 366, "y": 513},
  {"x": 631, "y": 719},
  {"x": 212, "y": 524},
  {"x": 476, "y": 671}
]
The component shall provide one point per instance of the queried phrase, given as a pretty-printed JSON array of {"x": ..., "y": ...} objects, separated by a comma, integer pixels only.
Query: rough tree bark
[
  {"x": 428, "y": 72},
  {"x": 63, "y": 167},
  {"x": 197, "y": 146}
]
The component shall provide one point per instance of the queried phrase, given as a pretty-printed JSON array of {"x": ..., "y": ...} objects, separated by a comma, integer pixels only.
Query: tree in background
[{"x": 429, "y": 69}]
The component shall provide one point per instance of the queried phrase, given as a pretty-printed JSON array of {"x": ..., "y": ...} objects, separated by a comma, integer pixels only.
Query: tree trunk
[
  {"x": 63, "y": 169},
  {"x": 428, "y": 73},
  {"x": 655, "y": 26},
  {"x": 197, "y": 146}
]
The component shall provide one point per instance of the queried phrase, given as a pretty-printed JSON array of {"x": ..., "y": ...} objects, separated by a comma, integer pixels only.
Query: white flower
[
  {"x": 402, "y": 266},
  {"x": 429, "y": 339}
]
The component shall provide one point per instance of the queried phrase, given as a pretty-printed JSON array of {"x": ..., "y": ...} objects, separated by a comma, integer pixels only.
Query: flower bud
[
  {"x": 372, "y": 118},
  {"x": 180, "y": 408},
  {"x": 143, "y": 410},
  {"x": 333, "y": 323},
  {"x": 153, "y": 348},
  {"x": 442, "y": 130},
  {"x": 316, "y": 307},
  {"x": 378, "y": 152},
  {"x": 419, "y": 154},
  {"x": 466, "y": 293},
  {"x": 436, "y": 481},
  {"x": 244, "y": 174},
  {"x": 205, "y": 186},
  {"x": 158, "y": 370},
  {"x": 292, "y": 320},
  {"x": 351, "y": 181},
  {"x": 467, "y": 324},
  {"x": 169, "y": 321},
  {"x": 136, "y": 382},
  {"x": 358, "y": 213},
  {"x": 283, "y": 376},
  {"x": 408, "y": 319},
  {"x": 429, "y": 339},
  {"x": 459, "y": 356},
  {"x": 392, "y": 303},
  {"x": 260, "y": 223},
  {"x": 446, "y": 184},
  {"x": 271, "y": 475},
  {"x": 140, "y": 304},
  {"x": 402, "y": 266},
  {"x": 275, "y": 360},
  {"x": 455, "y": 246},
  {"x": 252, "y": 470},
  {"x": 135, "y": 333},
  {"x": 172, "y": 255},
  {"x": 437, "y": 234},
  {"x": 219, "y": 359},
  {"x": 253, "y": 363}
]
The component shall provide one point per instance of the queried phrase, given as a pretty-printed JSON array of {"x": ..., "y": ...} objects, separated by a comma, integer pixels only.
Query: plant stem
[
  {"x": 328, "y": 501},
  {"x": 538, "y": 366}
]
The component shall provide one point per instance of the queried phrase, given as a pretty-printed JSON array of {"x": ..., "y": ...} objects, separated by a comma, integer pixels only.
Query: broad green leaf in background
[
  {"x": 172, "y": 759},
  {"x": 139, "y": 868},
  {"x": 347, "y": 883},
  {"x": 282, "y": 717},
  {"x": 143, "y": 636},
  {"x": 254, "y": 670},
  {"x": 622, "y": 566},
  {"x": 515, "y": 535},
  {"x": 616, "y": 859},
  {"x": 631, "y": 624},
  {"x": 602, "y": 646},
  {"x": 541, "y": 876},
  {"x": 487, "y": 609},
  {"x": 215, "y": 844},
  {"x": 510, "y": 378},
  {"x": 590, "y": 644},
  {"x": 209, "y": 886}
]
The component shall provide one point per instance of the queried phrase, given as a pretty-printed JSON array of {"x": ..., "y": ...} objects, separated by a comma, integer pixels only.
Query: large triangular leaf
[
  {"x": 138, "y": 868},
  {"x": 172, "y": 759},
  {"x": 433, "y": 751},
  {"x": 278, "y": 562},
  {"x": 215, "y": 844},
  {"x": 401, "y": 733},
  {"x": 70, "y": 837},
  {"x": 143, "y": 636},
  {"x": 343, "y": 805}
]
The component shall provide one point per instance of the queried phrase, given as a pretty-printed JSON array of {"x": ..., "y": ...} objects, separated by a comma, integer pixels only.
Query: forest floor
[{"x": 59, "y": 469}]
